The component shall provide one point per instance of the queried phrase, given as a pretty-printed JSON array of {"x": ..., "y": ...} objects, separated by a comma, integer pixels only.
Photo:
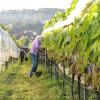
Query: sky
[{"x": 33, "y": 4}]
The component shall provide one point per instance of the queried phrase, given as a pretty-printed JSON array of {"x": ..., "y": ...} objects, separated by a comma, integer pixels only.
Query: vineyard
[
  {"x": 8, "y": 49},
  {"x": 69, "y": 58},
  {"x": 75, "y": 45}
]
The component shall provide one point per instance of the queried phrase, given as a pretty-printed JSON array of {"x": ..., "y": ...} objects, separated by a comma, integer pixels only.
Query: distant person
[
  {"x": 22, "y": 55},
  {"x": 34, "y": 51}
]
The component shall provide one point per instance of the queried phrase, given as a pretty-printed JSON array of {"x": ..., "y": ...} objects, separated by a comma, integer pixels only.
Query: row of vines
[
  {"x": 8, "y": 48},
  {"x": 77, "y": 45}
]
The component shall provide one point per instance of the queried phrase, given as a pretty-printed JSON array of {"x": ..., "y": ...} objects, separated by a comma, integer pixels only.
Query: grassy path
[{"x": 15, "y": 85}]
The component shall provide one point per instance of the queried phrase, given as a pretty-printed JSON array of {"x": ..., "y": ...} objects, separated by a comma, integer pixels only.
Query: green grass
[{"x": 16, "y": 85}]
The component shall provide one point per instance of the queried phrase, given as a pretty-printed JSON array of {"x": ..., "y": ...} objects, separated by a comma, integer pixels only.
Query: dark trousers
[
  {"x": 34, "y": 59},
  {"x": 21, "y": 59}
]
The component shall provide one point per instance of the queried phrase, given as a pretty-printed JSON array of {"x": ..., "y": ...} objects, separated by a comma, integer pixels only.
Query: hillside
[{"x": 26, "y": 20}]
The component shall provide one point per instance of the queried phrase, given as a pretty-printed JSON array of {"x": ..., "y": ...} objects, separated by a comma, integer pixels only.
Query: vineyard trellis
[
  {"x": 77, "y": 46},
  {"x": 64, "y": 81},
  {"x": 8, "y": 48}
]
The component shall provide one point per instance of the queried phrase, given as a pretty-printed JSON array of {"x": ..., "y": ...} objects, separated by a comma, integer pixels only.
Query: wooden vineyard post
[
  {"x": 45, "y": 58},
  {"x": 55, "y": 70},
  {"x": 64, "y": 80},
  {"x": 51, "y": 68},
  {"x": 85, "y": 93},
  {"x": 72, "y": 87},
  {"x": 6, "y": 65},
  {"x": 79, "y": 88}
]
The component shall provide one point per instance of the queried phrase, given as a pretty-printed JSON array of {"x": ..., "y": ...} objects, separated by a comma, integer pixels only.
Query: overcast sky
[{"x": 33, "y": 4}]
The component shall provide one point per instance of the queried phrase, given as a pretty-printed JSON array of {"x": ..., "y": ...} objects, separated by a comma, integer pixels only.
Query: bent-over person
[{"x": 34, "y": 51}]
